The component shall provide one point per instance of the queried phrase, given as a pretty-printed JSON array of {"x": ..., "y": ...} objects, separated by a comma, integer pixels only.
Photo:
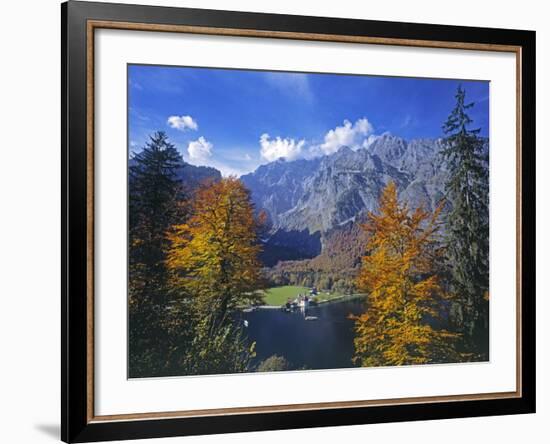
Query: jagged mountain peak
[
  {"x": 388, "y": 148},
  {"x": 277, "y": 186},
  {"x": 310, "y": 197}
]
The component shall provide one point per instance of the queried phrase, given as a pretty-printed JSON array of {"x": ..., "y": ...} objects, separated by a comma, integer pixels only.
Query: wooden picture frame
[{"x": 79, "y": 22}]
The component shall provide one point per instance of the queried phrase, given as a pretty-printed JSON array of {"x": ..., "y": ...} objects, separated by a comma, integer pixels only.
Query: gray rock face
[
  {"x": 347, "y": 184},
  {"x": 389, "y": 149},
  {"x": 278, "y": 186},
  {"x": 324, "y": 193},
  {"x": 427, "y": 172}
]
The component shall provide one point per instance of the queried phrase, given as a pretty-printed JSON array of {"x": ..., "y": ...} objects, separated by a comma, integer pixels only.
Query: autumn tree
[
  {"x": 154, "y": 205},
  {"x": 214, "y": 260},
  {"x": 405, "y": 298},
  {"x": 467, "y": 223}
]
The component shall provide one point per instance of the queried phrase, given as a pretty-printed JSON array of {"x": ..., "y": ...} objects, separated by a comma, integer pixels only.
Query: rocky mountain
[
  {"x": 191, "y": 176},
  {"x": 306, "y": 199},
  {"x": 346, "y": 184},
  {"x": 278, "y": 186}
]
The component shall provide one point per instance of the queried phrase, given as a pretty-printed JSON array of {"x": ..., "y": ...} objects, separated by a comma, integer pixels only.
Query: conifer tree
[
  {"x": 154, "y": 205},
  {"x": 405, "y": 296},
  {"x": 467, "y": 223}
]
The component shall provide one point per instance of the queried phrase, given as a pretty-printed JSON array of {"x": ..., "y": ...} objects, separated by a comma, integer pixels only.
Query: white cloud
[
  {"x": 200, "y": 149},
  {"x": 293, "y": 84},
  {"x": 182, "y": 123},
  {"x": 353, "y": 135},
  {"x": 227, "y": 170},
  {"x": 371, "y": 139},
  {"x": 273, "y": 149}
]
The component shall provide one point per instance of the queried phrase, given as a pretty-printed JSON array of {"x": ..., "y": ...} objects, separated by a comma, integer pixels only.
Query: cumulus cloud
[
  {"x": 182, "y": 123},
  {"x": 371, "y": 139},
  {"x": 353, "y": 135},
  {"x": 228, "y": 170},
  {"x": 200, "y": 149},
  {"x": 273, "y": 149}
]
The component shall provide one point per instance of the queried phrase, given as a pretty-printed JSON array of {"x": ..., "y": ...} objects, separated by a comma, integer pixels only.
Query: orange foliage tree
[
  {"x": 405, "y": 296},
  {"x": 214, "y": 255}
]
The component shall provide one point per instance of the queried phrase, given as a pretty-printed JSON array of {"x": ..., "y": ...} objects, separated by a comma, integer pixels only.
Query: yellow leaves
[
  {"x": 399, "y": 274},
  {"x": 214, "y": 256}
]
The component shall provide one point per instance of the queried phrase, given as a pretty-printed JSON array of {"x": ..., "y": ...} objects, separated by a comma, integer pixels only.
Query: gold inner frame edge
[{"x": 92, "y": 25}]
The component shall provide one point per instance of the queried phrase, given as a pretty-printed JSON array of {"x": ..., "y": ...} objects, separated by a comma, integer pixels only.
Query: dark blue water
[{"x": 321, "y": 344}]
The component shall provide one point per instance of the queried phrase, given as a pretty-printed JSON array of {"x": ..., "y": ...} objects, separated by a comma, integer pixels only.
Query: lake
[{"x": 320, "y": 344}]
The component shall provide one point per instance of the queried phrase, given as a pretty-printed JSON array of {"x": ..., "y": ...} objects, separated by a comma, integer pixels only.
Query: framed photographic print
[{"x": 276, "y": 221}]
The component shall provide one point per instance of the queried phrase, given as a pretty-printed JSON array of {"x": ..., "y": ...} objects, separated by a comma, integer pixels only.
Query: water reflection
[{"x": 313, "y": 337}]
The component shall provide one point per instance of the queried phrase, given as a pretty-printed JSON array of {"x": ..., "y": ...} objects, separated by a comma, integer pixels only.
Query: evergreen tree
[
  {"x": 467, "y": 223},
  {"x": 154, "y": 206}
]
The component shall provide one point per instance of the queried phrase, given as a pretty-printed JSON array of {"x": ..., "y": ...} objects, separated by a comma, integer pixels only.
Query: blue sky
[{"x": 236, "y": 120}]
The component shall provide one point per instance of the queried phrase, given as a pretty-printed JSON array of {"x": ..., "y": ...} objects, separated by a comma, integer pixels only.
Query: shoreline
[{"x": 329, "y": 301}]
